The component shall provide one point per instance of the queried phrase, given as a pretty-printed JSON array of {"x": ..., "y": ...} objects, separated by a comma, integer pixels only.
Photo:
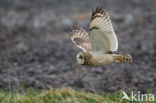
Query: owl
[{"x": 99, "y": 43}]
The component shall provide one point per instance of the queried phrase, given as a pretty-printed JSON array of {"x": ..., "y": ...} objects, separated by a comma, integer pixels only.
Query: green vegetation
[{"x": 63, "y": 95}]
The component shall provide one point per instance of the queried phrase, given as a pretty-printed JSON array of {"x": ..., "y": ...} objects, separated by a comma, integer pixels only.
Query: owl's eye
[{"x": 80, "y": 57}]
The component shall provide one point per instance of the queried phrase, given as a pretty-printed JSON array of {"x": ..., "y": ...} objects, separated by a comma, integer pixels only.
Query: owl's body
[
  {"x": 95, "y": 60},
  {"x": 98, "y": 45},
  {"x": 86, "y": 58}
]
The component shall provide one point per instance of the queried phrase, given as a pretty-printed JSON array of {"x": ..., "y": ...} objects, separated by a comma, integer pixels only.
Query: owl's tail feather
[{"x": 122, "y": 58}]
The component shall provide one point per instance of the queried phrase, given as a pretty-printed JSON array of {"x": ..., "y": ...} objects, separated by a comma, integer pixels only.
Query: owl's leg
[{"x": 122, "y": 58}]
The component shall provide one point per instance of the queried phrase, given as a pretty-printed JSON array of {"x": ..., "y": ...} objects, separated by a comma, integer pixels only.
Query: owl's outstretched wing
[
  {"x": 80, "y": 38},
  {"x": 102, "y": 36}
]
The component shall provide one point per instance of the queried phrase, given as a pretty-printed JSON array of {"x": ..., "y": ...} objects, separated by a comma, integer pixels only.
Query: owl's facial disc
[{"x": 80, "y": 58}]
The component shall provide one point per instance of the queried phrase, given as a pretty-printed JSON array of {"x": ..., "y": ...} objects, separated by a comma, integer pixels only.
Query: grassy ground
[{"x": 64, "y": 95}]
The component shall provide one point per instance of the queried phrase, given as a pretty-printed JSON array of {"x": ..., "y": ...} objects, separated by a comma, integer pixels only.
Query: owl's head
[{"x": 84, "y": 58}]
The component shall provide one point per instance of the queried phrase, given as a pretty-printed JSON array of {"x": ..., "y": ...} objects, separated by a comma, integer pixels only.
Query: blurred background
[{"x": 36, "y": 50}]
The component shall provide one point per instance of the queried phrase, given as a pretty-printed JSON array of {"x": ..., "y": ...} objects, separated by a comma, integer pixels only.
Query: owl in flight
[{"x": 99, "y": 43}]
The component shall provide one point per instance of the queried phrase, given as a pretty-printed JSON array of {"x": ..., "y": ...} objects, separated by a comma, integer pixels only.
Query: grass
[{"x": 63, "y": 95}]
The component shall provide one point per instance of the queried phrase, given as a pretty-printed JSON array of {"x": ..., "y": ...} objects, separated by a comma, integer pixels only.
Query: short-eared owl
[{"x": 98, "y": 45}]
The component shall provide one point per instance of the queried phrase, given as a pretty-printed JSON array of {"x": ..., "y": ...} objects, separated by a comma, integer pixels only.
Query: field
[
  {"x": 36, "y": 51},
  {"x": 63, "y": 95}
]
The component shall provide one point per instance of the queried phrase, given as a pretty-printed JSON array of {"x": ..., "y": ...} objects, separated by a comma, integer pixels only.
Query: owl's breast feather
[{"x": 102, "y": 59}]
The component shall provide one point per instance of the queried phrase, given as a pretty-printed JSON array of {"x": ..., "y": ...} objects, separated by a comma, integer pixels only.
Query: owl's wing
[
  {"x": 80, "y": 38},
  {"x": 102, "y": 36}
]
